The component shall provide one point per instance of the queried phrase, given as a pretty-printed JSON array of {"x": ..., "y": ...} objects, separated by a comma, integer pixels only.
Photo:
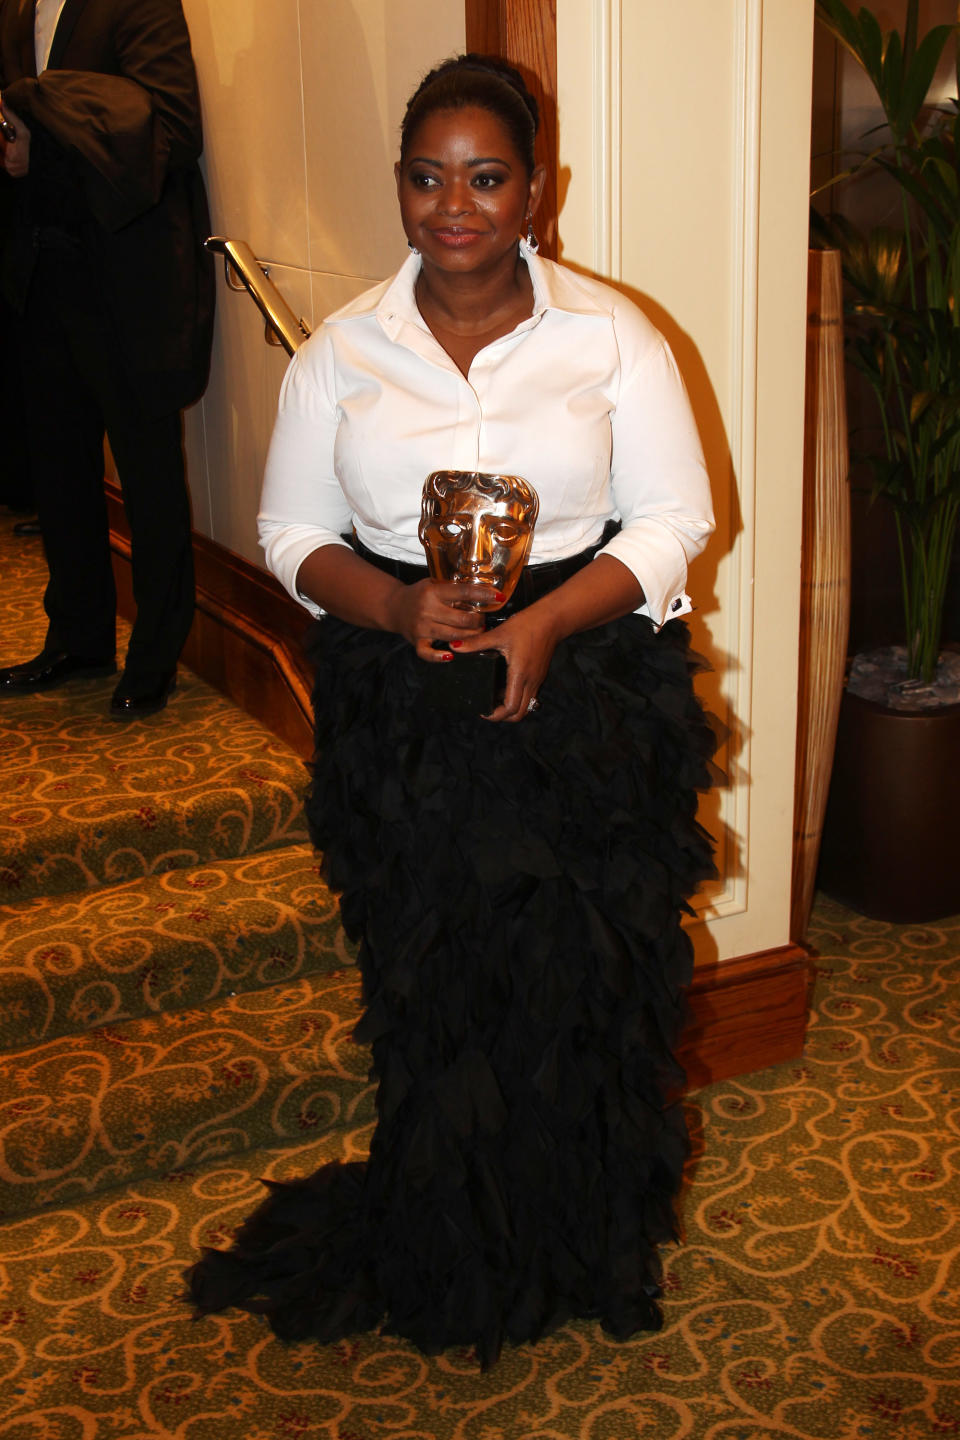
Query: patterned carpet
[{"x": 176, "y": 1003}]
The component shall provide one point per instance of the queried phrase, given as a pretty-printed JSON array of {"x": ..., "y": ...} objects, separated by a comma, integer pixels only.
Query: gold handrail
[{"x": 282, "y": 325}]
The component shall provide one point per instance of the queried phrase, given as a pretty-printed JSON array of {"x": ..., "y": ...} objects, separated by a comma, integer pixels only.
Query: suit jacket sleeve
[{"x": 128, "y": 130}]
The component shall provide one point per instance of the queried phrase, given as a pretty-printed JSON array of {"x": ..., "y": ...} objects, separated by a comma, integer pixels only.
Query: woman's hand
[
  {"x": 527, "y": 642},
  {"x": 345, "y": 585},
  {"x": 340, "y": 582},
  {"x": 603, "y": 590},
  {"x": 425, "y": 612},
  {"x": 15, "y": 154}
]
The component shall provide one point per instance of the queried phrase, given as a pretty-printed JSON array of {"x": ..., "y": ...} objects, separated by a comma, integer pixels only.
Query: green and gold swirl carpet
[{"x": 176, "y": 1005}]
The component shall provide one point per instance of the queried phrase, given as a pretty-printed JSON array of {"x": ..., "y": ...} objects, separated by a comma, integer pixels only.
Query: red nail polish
[
  {"x": 499, "y": 595},
  {"x": 455, "y": 644},
  {"x": 446, "y": 657}
]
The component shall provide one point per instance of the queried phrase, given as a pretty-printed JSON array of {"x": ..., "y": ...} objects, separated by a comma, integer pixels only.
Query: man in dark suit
[{"x": 104, "y": 262}]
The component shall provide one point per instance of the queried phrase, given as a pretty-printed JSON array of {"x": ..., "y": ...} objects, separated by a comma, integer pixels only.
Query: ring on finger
[{"x": 533, "y": 705}]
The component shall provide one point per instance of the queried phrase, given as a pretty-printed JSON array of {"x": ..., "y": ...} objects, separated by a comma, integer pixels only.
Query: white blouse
[{"x": 583, "y": 400}]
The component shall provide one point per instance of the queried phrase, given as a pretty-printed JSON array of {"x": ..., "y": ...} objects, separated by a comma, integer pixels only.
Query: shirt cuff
[
  {"x": 286, "y": 547},
  {"x": 656, "y": 557}
]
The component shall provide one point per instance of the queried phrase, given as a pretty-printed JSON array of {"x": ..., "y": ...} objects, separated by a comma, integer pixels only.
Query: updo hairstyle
[{"x": 485, "y": 81}]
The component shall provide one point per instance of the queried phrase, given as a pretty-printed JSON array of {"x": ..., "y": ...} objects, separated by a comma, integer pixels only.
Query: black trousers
[{"x": 76, "y": 389}]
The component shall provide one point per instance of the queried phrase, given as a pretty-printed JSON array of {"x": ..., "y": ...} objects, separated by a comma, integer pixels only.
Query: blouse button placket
[{"x": 469, "y": 431}]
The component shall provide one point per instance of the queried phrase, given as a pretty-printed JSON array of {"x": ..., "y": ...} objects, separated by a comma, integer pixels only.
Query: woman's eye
[
  {"x": 487, "y": 182},
  {"x": 423, "y": 182}
]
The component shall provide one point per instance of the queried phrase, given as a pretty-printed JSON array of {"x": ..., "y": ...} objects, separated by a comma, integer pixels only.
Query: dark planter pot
[{"x": 891, "y": 837}]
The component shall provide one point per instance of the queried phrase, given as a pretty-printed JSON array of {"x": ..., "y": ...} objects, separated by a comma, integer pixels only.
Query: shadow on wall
[{"x": 704, "y": 570}]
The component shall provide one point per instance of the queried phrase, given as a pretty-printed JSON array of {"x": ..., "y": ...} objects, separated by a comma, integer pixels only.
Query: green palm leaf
[{"x": 903, "y": 305}]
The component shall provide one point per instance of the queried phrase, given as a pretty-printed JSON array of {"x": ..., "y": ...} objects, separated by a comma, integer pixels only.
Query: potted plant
[{"x": 891, "y": 842}]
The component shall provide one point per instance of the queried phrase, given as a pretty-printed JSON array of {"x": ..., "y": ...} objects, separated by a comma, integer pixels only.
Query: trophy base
[{"x": 468, "y": 685}]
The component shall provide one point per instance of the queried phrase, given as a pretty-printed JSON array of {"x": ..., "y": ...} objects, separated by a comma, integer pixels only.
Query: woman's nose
[{"x": 456, "y": 200}]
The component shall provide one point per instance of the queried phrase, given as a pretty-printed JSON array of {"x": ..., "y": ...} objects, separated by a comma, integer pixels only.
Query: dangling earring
[
  {"x": 411, "y": 246},
  {"x": 533, "y": 244}
]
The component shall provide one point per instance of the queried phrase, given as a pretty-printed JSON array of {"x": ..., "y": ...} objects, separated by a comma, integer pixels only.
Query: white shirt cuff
[
  {"x": 285, "y": 548},
  {"x": 656, "y": 557}
]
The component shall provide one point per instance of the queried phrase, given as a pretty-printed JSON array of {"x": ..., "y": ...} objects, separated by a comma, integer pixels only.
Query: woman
[{"x": 515, "y": 880}]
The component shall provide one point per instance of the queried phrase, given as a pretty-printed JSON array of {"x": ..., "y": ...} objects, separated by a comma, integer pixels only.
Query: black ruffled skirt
[{"x": 516, "y": 890}]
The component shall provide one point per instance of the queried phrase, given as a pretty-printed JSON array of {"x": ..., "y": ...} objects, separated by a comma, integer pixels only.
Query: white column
[{"x": 684, "y": 155}]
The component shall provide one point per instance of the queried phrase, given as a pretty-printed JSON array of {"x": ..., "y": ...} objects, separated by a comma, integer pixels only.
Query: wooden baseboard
[
  {"x": 246, "y": 636},
  {"x": 744, "y": 1014}
]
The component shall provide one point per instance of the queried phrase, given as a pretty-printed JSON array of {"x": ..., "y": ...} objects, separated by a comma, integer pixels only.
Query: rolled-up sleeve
[
  {"x": 659, "y": 480},
  {"x": 302, "y": 507}
]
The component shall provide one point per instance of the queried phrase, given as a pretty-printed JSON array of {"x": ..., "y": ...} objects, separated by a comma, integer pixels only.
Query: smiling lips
[{"x": 456, "y": 235}]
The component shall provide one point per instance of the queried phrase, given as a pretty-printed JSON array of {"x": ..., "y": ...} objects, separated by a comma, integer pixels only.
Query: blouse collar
[{"x": 394, "y": 304}]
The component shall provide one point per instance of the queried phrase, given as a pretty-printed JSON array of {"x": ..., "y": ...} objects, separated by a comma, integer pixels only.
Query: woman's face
[{"x": 464, "y": 190}]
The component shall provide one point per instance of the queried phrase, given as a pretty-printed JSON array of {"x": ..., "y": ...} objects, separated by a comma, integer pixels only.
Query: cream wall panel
[
  {"x": 198, "y": 469},
  {"x": 329, "y": 292},
  {"x": 781, "y": 318},
  {"x": 248, "y": 58},
  {"x": 688, "y": 155},
  {"x": 361, "y": 63},
  {"x": 302, "y": 104}
]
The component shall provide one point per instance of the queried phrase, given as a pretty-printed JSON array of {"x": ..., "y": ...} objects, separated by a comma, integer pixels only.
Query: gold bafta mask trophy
[{"x": 475, "y": 529}]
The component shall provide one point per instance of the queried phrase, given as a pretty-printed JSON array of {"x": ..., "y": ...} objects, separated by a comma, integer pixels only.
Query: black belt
[{"x": 535, "y": 580}]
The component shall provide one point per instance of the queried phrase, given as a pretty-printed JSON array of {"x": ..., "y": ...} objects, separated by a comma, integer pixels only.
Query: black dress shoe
[
  {"x": 27, "y": 527},
  {"x": 49, "y": 669},
  {"x": 132, "y": 701}
]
